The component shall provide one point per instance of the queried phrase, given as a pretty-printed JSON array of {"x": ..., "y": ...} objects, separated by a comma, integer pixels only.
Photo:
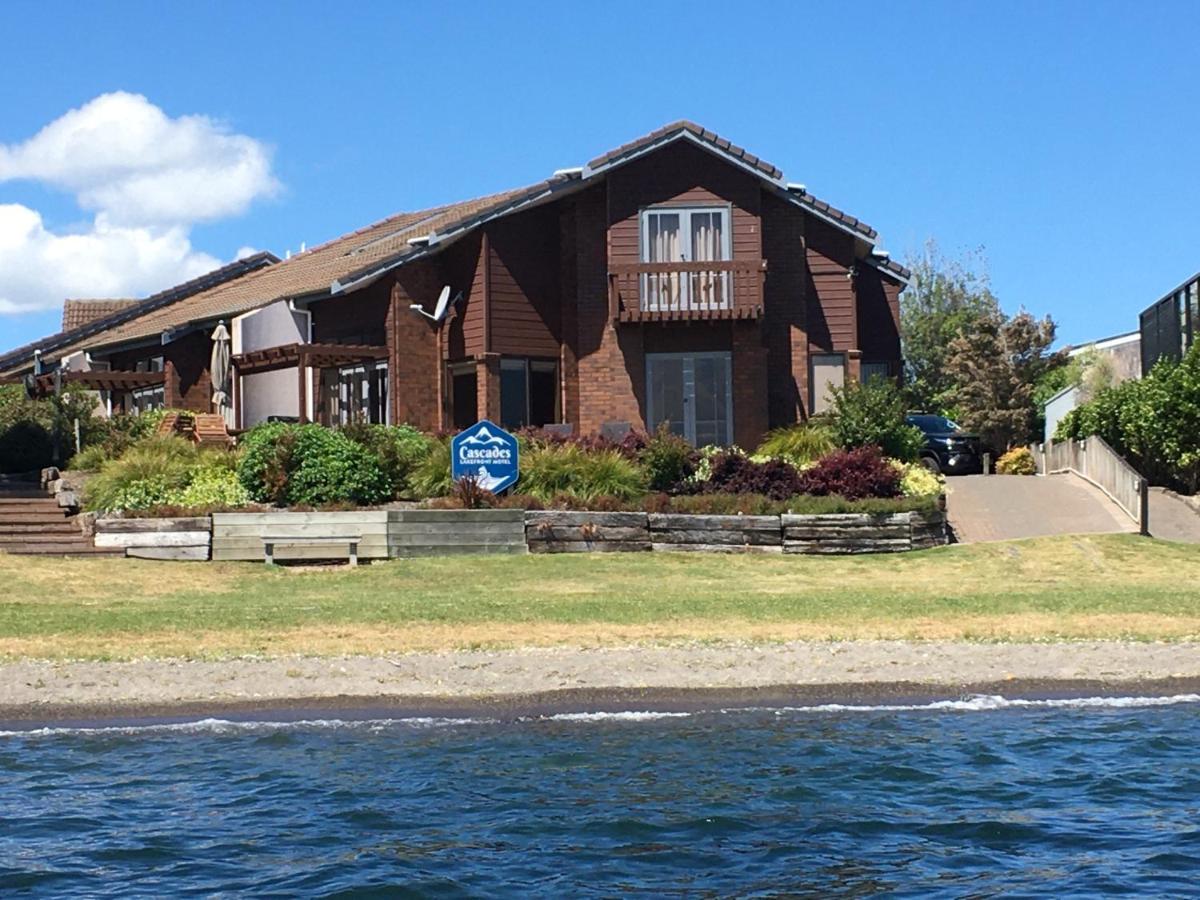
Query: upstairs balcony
[{"x": 686, "y": 291}]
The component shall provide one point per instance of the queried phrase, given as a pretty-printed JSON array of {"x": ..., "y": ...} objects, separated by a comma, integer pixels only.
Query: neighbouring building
[
  {"x": 1124, "y": 356},
  {"x": 678, "y": 279},
  {"x": 1169, "y": 326}
]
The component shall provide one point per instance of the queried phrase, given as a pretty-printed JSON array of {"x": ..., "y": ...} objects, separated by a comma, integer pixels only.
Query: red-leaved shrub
[
  {"x": 733, "y": 473},
  {"x": 854, "y": 474}
]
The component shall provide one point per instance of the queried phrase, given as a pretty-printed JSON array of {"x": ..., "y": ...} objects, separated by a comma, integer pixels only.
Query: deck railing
[
  {"x": 722, "y": 289},
  {"x": 1093, "y": 460}
]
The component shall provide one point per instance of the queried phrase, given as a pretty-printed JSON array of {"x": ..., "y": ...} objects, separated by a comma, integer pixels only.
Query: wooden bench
[{"x": 270, "y": 540}]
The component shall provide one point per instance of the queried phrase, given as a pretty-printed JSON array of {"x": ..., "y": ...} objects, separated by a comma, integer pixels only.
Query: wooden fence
[{"x": 1094, "y": 461}]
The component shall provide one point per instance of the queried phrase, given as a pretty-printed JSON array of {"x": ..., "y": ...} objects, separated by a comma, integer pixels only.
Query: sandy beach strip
[{"x": 559, "y": 678}]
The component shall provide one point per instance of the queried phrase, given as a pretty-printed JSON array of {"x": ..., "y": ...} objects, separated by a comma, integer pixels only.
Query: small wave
[
  {"x": 626, "y": 716},
  {"x": 990, "y": 702},
  {"x": 977, "y": 703},
  {"x": 231, "y": 726}
]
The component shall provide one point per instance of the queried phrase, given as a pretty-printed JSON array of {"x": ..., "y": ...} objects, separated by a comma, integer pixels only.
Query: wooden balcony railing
[{"x": 649, "y": 292}]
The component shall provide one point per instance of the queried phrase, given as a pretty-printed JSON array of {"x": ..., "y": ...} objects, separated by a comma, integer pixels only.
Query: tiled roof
[
  {"x": 312, "y": 271},
  {"x": 85, "y": 336},
  {"x": 77, "y": 313},
  {"x": 369, "y": 250},
  {"x": 677, "y": 128}
]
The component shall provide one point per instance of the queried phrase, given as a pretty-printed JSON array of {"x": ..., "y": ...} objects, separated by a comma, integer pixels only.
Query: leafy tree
[
  {"x": 873, "y": 415},
  {"x": 946, "y": 297},
  {"x": 994, "y": 365}
]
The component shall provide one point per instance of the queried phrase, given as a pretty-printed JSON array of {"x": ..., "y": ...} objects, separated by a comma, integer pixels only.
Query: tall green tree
[
  {"x": 995, "y": 364},
  {"x": 947, "y": 296}
]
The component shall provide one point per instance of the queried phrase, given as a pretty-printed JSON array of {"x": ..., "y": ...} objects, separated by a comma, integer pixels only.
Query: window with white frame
[
  {"x": 678, "y": 234},
  {"x": 148, "y": 398},
  {"x": 362, "y": 394}
]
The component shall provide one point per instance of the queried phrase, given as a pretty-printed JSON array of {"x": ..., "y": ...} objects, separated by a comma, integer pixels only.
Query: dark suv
[{"x": 948, "y": 448}]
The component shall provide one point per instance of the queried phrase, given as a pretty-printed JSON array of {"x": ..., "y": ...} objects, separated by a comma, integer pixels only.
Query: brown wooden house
[{"x": 677, "y": 279}]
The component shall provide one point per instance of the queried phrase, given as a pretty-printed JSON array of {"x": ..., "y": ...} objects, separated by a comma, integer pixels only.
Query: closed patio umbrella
[{"x": 220, "y": 371}]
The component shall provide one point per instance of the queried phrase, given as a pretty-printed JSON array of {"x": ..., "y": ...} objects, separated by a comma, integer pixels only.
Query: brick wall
[
  {"x": 751, "y": 388},
  {"x": 610, "y": 364},
  {"x": 188, "y": 385},
  {"x": 416, "y": 388}
]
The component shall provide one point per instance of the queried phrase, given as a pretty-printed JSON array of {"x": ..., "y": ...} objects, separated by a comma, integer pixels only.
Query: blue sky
[{"x": 1058, "y": 137}]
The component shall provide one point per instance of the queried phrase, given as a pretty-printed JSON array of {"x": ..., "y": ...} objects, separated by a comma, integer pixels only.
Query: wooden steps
[{"x": 32, "y": 523}]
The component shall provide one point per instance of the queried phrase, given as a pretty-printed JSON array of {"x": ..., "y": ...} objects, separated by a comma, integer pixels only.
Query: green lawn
[{"x": 1063, "y": 587}]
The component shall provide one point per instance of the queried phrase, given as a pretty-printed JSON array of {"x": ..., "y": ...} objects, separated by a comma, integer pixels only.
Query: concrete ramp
[
  {"x": 1008, "y": 507},
  {"x": 1174, "y": 518}
]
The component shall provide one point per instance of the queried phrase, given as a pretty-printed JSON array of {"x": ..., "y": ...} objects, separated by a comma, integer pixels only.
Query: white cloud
[
  {"x": 147, "y": 177},
  {"x": 39, "y": 269}
]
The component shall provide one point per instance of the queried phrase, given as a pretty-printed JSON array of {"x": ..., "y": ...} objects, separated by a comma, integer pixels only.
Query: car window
[{"x": 934, "y": 424}]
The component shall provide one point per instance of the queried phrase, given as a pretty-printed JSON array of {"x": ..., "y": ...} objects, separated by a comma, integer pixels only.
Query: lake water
[{"x": 956, "y": 799}]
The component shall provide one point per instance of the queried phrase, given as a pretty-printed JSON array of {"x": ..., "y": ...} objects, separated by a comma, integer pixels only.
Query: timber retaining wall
[
  {"x": 181, "y": 538},
  {"x": 389, "y": 534}
]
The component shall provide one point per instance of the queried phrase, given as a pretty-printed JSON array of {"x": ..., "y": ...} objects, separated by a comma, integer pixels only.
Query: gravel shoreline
[{"x": 532, "y": 680}]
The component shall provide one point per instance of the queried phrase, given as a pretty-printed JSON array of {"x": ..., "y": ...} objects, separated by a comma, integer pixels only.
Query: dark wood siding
[
  {"x": 358, "y": 318},
  {"x": 878, "y": 317},
  {"x": 463, "y": 270},
  {"x": 831, "y": 306},
  {"x": 681, "y": 174},
  {"x": 524, "y": 314}
]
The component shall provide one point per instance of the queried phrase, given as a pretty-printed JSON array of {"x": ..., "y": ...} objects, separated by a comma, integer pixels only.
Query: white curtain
[
  {"x": 707, "y": 246},
  {"x": 665, "y": 247}
]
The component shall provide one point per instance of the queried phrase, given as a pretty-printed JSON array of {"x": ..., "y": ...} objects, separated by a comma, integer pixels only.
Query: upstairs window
[{"x": 675, "y": 235}]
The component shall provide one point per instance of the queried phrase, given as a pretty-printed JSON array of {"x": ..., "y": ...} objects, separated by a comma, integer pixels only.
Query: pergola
[
  {"x": 45, "y": 384},
  {"x": 302, "y": 357}
]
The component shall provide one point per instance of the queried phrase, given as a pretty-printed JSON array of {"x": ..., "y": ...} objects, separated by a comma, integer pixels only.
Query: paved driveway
[
  {"x": 1172, "y": 518},
  {"x": 1005, "y": 507}
]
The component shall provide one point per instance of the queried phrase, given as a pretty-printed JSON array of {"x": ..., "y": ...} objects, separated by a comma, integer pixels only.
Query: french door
[
  {"x": 692, "y": 393},
  {"x": 679, "y": 235}
]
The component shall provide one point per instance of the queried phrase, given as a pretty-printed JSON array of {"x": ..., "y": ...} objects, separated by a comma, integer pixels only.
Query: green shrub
[
  {"x": 1017, "y": 461},
  {"x": 399, "y": 449},
  {"x": 90, "y": 459},
  {"x": 212, "y": 487},
  {"x": 801, "y": 445},
  {"x": 668, "y": 459},
  {"x": 1154, "y": 422},
  {"x": 430, "y": 477},
  {"x": 311, "y": 465},
  {"x": 25, "y": 445},
  {"x": 566, "y": 469},
  {"x": 873, "y": 415},
  {"x": 165, "y": 471}
]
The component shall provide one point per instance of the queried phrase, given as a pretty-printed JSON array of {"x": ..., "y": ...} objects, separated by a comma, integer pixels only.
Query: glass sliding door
[
  {"x": 361, "y": 395},
  {"x": 692, "y": 393},
  {"x": 665, "y": 393}
]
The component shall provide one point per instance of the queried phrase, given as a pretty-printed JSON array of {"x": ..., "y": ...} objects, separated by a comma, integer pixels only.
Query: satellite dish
[
  {"x": 443, "y": 301},
  {"x": 443, "y": 305}
]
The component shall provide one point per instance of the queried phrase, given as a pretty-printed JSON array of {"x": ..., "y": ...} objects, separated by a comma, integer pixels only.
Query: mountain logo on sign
[{"x": 483, "y": 437}]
